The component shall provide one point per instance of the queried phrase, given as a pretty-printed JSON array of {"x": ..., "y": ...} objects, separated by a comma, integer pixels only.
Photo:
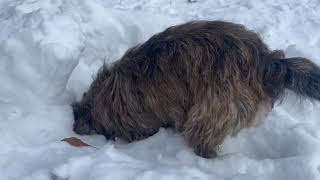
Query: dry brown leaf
[{"x": 73, "y": 141}]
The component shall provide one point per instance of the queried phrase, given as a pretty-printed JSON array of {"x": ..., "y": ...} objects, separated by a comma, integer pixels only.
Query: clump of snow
[{"x": 50, "y": 51}]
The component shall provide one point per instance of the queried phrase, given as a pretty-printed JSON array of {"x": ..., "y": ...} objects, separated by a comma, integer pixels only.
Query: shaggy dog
[{"x": 205, "y": 79}]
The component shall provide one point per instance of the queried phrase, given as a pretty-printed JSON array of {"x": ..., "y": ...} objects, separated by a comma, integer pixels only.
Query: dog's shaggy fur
[{"x": 205, "y": 79}]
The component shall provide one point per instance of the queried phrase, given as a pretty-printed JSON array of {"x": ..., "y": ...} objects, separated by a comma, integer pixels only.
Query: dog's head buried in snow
[{"x": 205, "y": 79}]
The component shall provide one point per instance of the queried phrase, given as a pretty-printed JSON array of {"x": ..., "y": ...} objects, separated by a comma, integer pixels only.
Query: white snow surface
[{"x": 50, "y": 51}]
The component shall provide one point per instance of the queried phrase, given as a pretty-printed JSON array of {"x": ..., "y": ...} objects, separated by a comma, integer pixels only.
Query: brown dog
[{"x": 206, "y": 79}]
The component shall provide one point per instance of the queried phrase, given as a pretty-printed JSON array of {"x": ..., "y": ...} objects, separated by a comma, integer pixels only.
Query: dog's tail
[{"x": 297, "y": 74}]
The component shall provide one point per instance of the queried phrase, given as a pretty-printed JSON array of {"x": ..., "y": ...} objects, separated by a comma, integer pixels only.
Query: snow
[{"x": 51, "y": 49}]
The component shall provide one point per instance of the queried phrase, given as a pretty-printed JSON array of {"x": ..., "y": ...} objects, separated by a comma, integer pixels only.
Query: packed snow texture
[{"x": 50, "y": 51}]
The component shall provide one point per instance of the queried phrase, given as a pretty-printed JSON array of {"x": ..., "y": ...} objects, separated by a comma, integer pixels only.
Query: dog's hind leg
[{"x": 209, "y": 122}]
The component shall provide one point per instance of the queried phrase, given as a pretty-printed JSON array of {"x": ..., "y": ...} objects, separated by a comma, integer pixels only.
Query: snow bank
[{"x": 50, "y": 50}]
